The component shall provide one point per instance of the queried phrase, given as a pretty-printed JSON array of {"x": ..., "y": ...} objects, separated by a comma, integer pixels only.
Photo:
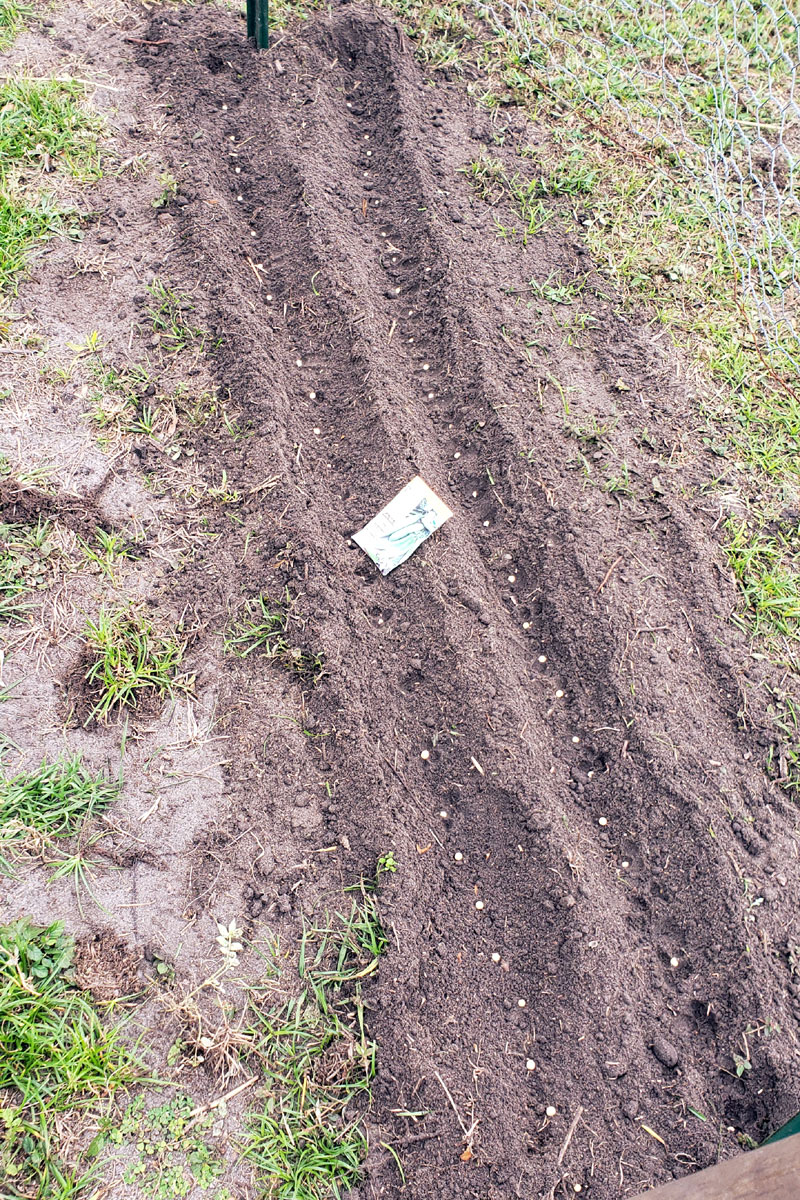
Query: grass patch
[
  {"x": 783, "y": 759},
  {"x": 308, "y": 1141},
  {"x": 14, "y": 14},
  {"x": 56, "y": 1059},
  {"x": 41, "y": 809},
  {"x": 55, "y": 799},
  {"x": 125, "y": 402},
  {"x": 24, "y": 220},
  {"x": 769, "y": 582},
  {"x": 45, "y": 125},
  {"x": 493, "y": 183},
  {"x": 132, "y": 658}
]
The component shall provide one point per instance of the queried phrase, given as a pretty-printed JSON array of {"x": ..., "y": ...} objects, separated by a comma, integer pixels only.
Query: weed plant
[
  {"x": 24, "y": 554},
  {"x": 132, "y": 657},
  {"x": 169, "y": 315},
  {"x": 56, "y": 1059}
]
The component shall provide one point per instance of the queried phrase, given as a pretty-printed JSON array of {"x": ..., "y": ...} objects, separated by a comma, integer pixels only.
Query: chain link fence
[{"x": 714, "y": 83}]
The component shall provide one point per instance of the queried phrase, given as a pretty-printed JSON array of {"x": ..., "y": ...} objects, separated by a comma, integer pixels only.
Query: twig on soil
[
  {"x": 197, "y": 1113},
  {"x": 564, "y": 1147},
  {"x": 468, "y": 1133},
  {"x": 266, "y": 485},
  {"x": 396, "y": 771},
  {"x": 573, "y": 1126},
  {"x": 608, "y": 574},
  {"x": 144, "y": 41}
]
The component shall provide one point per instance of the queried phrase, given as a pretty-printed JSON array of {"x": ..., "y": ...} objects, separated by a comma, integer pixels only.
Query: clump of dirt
[
  {"x": 27, "y": 505},
  {"x": 106, "y": 967}
]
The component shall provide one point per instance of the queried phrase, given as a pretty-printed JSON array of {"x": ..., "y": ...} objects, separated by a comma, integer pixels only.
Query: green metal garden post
[{"x": 258, "y": 22}]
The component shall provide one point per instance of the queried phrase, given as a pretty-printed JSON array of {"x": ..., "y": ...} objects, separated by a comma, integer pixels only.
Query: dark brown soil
[
  {"x": 561, "y": 647},
  {"x": 596, "y": 752}
]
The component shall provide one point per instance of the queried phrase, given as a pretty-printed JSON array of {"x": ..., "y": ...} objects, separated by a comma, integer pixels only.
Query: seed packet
[{"x": 394, "y": 534}]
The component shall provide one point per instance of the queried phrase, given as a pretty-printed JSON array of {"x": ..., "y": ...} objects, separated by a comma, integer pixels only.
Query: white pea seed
[
  {"x": 366, "y": 137},
  {"x": 625, "y": 863},
  {"x": 225, "y": 109},
  {"x": 349, "y": 105},
  {"x": 526, "y": 624},
  {"x": 479, "y": 905},
  {"x": 397, "y": 291},
  {"x": 550, "y": 1111},
  {"x": 238, "y": 170},
  {"x": 521, "y": 1003},
  {"x": 312, "y": 395},
  {"x": 269, "y": 297},
  {"x": 425, "y": 755},
  {"x": 674, "y": 962},
  {"x": 602, "y": 821},
  {"x": 542, "y": 658},
  {"x": 458, "y": 856},
  {"x": 474, "y": 495},
  {"x": 426, "y": 366},
  {"x": 530, "y": 1065},
  {"x": 457, "y": 454},
  {"x": 430, "y": 395},
  {"x": 253, "y": 233},
  {"x": 576, "y": 740},
  {"x": 369, "y": 154},
  {"x": 495, "y": 957},
  {"x": 559, "y": 694},
  {"x": 443, "y": 814},
  {"x": 577, "y": 1187},
  {"x": 427, "y": 270},
  {"x": 240, "y": 197},
  {"x": 298, "y": 362},
  {"x": 317, "y": 430},
  {"x": 485, "y": 524},
  {"x": 481, "y": 424},
  {"x": 512, "y": 579},
  {"x": 383, "y": 234}
]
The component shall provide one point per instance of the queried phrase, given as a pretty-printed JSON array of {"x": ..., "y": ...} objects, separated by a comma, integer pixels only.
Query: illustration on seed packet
[{"x": 394, "y": 534}]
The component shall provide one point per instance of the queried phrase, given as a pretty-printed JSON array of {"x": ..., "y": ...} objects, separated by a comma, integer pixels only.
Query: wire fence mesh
[{"x": 713, "y": 84}]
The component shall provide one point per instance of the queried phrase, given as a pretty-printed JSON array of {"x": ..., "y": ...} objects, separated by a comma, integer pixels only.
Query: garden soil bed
[{"x": 562, "y": 648}]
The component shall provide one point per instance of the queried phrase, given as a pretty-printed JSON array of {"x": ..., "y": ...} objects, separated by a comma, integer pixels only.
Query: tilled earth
[{"x": 562, "y": 648}]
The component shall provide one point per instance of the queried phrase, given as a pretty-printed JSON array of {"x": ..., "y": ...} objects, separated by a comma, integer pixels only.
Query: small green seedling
[
  {"x": 263, "y": 628},
  {"x": 169, "y": 315}
]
